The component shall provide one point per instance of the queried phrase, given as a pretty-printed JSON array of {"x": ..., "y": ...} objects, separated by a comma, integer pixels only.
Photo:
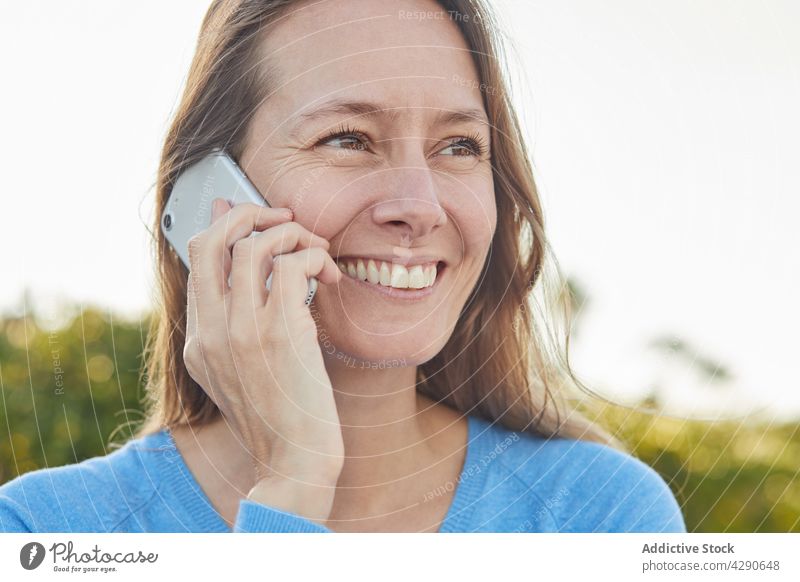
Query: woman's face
[{"x": 405, "y": 180}]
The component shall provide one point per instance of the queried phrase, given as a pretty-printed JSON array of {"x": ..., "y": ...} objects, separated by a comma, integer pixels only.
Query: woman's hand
[{"x": 255, "y": 352}]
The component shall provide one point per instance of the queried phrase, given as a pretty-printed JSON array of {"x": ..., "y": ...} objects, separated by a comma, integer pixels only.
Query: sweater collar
[
  {"x": 471, "y": 480},
  {"x": 198, "y": 513}
]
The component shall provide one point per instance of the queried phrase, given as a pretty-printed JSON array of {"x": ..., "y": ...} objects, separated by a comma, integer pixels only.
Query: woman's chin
[
  {"x": 362, "y": 327},
  {"x": 382, "y": 354},
  {"x": 365, "y": 327}
]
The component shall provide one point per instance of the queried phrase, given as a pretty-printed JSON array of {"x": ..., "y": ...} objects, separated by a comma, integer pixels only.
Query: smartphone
[{"x": 188, "y": 210}]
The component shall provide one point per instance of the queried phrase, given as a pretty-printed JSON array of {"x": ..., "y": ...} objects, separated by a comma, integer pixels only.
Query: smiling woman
[{"x": 419, "y": 391}]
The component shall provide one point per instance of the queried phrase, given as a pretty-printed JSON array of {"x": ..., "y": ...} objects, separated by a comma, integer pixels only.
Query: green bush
[{"x": 68, "y": 391}]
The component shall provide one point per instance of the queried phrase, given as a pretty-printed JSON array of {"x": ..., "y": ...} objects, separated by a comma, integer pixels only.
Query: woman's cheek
[
  {"x": 322, "y": 201},
  {"x": 475, "y": 215},
  {"x": 329, "y": 214}
]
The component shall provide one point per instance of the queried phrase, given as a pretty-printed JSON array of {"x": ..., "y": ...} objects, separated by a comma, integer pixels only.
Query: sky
[{"x": 665, "y": 138}]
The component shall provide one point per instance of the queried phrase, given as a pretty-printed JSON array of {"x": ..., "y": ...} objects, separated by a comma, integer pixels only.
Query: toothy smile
[{"x": 389, "y": 274}]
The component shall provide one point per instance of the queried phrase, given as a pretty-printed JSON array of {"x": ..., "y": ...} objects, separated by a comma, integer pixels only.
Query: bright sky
[{"x": 666, "y": 140}]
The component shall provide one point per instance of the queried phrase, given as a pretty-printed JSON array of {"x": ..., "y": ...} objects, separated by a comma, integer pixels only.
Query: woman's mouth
[{"x": 393, "y": 279}]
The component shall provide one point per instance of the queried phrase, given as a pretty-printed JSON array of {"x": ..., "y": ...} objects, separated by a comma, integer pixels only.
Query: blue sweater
[{"x": 510, "y": 482}]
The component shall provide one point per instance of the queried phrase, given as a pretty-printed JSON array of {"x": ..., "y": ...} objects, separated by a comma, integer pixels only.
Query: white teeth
[
  {"x": 399, "y": 277},
  {"x": 389, "y": 274},
  {"x": 417, "y": 278},
  {"x": 373, "y": 274},
  {"x": 386, "y": 274}
]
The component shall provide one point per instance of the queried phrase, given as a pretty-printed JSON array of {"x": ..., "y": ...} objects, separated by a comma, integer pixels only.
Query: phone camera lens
[{"x": 167, "y": 221}]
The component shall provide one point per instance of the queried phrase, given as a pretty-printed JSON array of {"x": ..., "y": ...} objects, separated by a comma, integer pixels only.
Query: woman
[{"x": 418, "y": 392}]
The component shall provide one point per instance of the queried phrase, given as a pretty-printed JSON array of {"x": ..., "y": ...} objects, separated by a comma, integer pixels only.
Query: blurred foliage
[
  {"x": 728, "y": 476},
  {"x": 66, "y": 393}
]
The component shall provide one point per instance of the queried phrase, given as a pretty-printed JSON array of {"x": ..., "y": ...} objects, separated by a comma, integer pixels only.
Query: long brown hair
[{"x": 507, "y": 359}]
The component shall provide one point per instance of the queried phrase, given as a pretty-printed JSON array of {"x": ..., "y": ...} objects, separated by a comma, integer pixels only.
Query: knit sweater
[{"x": 510, "y": 482}]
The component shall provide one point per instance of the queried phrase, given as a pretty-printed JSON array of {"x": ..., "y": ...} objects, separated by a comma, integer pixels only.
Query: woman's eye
[
  {"x": 462, "y": 147},
  {"x": 348, "y": 140}
]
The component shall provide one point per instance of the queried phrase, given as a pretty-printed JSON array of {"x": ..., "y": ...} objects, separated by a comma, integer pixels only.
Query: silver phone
[{"x": 188, "y": 210}]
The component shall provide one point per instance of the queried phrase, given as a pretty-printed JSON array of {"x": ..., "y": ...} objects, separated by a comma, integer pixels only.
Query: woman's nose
[{"x": 412, "y": 206}]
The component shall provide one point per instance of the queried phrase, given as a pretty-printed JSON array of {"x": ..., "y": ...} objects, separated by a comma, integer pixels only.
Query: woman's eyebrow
[{"x": 371, "y": 109}]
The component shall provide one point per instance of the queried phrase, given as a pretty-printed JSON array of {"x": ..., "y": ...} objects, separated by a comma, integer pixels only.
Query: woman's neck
[
  {"x": 391, "y": 433},
  {"x": 380, "y": 412}
]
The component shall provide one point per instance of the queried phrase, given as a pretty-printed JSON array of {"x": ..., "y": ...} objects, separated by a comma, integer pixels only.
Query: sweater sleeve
[
  {"x": 11, "y": 517},
  {"x": 650, "y": 507},
  {"x": 255, "y": 517},
  {"x": 617, "y": 492}
]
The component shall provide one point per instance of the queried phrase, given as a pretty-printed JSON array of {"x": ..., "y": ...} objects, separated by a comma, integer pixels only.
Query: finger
[
  {"x": 214, "y": 246},
  {"x": 219, "y": 206},
  {"x": 243, "y": 219},
  {"x": 252, "y": 260},
  {"x": 205, "y": 309},
  {"x": 193, "y": 340},
  {"x": 290, "y": 274},
  {"x": 191, "y": 308}
]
